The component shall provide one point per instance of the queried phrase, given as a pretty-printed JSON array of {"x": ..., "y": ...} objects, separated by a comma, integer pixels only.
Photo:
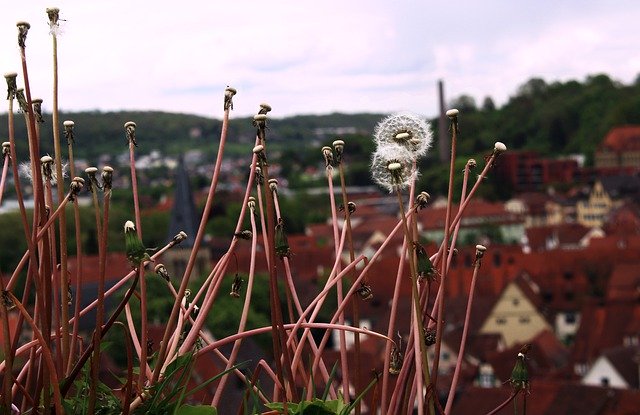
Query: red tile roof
[
  {"x": 624, "y": 282},
  {"x": 624, "y": 138}
]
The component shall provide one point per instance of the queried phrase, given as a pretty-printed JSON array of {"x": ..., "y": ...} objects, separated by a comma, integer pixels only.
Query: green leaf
[{"x": 197, "y": 410}]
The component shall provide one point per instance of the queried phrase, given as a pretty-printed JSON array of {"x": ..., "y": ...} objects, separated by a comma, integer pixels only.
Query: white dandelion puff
[
  {"x": 407, "y": 130},
  {"x": 392, "y": 167},
  {"x": 24, "y": 171}
]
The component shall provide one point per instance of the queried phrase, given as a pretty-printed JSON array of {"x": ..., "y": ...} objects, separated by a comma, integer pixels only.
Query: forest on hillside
[{"x": 553, "y": 118}]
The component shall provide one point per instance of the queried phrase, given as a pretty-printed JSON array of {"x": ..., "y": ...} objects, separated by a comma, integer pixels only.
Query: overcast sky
[{"x": 315, "y": 56}]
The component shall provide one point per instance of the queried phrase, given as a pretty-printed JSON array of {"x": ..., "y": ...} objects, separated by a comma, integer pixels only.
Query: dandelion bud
[
  {"x": 12, "y": 86},
  {"x": 252, "y": 203},
  {"x": 130, "y": 132},
  {"x": 23, "y": 29},
  {"x": 365, "y": 292},
  {"x": 328, "y": 156},
  {"x": 430, "y": 337},
  {"x": 338, "y": 147},
  {"x": 6, "y": 148},
  {"x": 22, "y": 100},
  {"x": 91, "y": 172},
  {"x": 68, "y": 131},
  {"x": 422, "y": 199},
  {"x": 107, "y": 177},
  {"x": 259, "y": 152},
  {"x": 54, "y": 14},
  {"x": 37, "y": 109},
  {"x": 161, "y": 270},
  {"x": 453, "y": 113},
  {"x": 46, "y": 163},
  {"x": 499, "y": 147},
  {"x": 76, "y": 185},
  {"x": 259, "y": 176},
  {"x": 181, "y": 236},
  {"x": 264, "y": 108},
  {"x": 229, "y": 92},
  {"x": 273, "y": 185}
]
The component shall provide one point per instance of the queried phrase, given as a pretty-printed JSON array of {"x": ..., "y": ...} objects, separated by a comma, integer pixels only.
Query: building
[
  {"x": 619, "y": 152},
  {"x": 526, "y": 171}
]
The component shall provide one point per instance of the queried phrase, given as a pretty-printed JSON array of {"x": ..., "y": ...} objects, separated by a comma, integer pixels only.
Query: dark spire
[
  {"x": 183, "y": 212},
  {"x": 444, "y": 147}
]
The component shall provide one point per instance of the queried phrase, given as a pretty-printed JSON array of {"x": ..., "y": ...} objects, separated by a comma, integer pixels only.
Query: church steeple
[{"x": 183, "y": 212}]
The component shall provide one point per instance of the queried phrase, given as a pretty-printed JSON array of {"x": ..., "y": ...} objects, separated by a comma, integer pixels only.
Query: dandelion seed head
[
  {"x": 499, "y": 147},
  {"x": 405, "y": 129},
  {"x": 129, "y": 226},
  {"x": 391, "y": 167}
]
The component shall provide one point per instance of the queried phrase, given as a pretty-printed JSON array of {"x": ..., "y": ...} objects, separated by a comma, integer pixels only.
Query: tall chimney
[{"x": 444, "y": 150}]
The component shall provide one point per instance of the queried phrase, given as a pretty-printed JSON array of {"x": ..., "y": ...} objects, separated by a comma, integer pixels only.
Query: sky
[{"x": 314, "y": 57}]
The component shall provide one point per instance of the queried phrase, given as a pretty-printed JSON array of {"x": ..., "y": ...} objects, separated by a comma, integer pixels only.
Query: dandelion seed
[{"x": 407, "y": 130}]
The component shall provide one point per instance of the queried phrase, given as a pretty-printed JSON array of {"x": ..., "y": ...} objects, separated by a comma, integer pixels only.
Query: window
[
  {"x": 570, "y": 318},
  {"x": 568, "y": 275},
  {"x": 515, "y": 301},
  {"x": 569, "y": 296},
  {"x": 446, "y": 356},
  {"x": 497, "y": 259},
  {"x": 524, "y": 320},
  {"x": 501, "y": 321}
]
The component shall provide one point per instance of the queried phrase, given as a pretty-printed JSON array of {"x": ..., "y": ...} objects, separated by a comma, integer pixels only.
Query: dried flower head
[
  {"x": 6, "y": 148},
  {"x": 53, "y": 13},
  {"x": 273, "y": 185},
  {"x": 180, "y": 236},
  {"x": 229, "y": 92},
  {"x": 264, "y": 108},
  {"x": 392, "y": 168},
  {"x": 259, "y": 176},
  {"x": 429, "y": 337},
  {"x": 407, "y": 130},
  {"x": 259, "y": 152},
  {"x": 23, "y": 29},
  {"x": 68, "y": 131},
  {"x": 76, "y": 185},
  {"x": 46, "y": 164},
  {"x": 107, "y": 177},
  {"x": 252, "y": 203},
  {"x": 422, "y": 199},
  {"x": 338, "y": 147},
  {"x": 499, "y": 147},
  {"x": 161, "y": 270},
  {"x": 12, "y": 85},
  {"x": 130, "y": 132},
  {"x": 327, "y": 153},
  {"x": 37, "y": 109},
  {"x": 22, "y": 100}
]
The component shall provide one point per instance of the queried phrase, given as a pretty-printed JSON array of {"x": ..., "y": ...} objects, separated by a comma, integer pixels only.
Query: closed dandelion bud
[
  {"x": 107, "y": 178},
  {"x": 68, "y": 131},
  {"x": 365, "y": 292},
  {"x": 273, "y": 185},
  {"x": 350, "y": 206},
  {"x": 6, "y": 148},
  {"x": 236, "y": 287},
  {"x": 229, "y": 92},
  {"x": 264, "y": 108},
  {"x": 162, "y": 272},
  {"x": 281, "y": 242},
  {"x": 46, "y": 163},
  {"x": 23, "y": 30},
  {"x": 480, "y": 250},
  {"x": 425, "y": 267},
  {"x": 328, "y": 156},
  {"x": 181, "y": 236},
  {"x": 499, "y": 148},
  {"x": 259, "y": 152},
  {"x": 338, "y": 147},
  {"x": 422, "y": 199},
  {"x": 130, "y": 132},
  {"x": 91, "y": 172},
  {"x": 429, "y": 337},
  {"x": 246, "y": 234},
  {"x": 12, "y": 85},
  {"x": 22, "y": 100},
  {"x": 259, "y": 176},
  {"x": 37, "y": 110},
  {"x": 396, "y": 358},
  {"x": 520, "y": 374},
  {"x": 135, "y": 250},
  {"x": 76, "y": 185}
]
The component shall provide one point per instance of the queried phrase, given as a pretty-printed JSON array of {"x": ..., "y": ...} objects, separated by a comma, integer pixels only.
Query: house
[
  {"x": 516, "y": 315},
  {"x": 561, "y": 236},
  {"x": 619, "y": 152},
  {"x": 593, "y": 211},
  {"x": 618, "y": 367},
  {"x": 526, "y": 171}
]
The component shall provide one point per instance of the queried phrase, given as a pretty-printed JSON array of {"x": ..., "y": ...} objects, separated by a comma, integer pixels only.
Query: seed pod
[
  {"x": 430, "y": 337},
  {"x": 425, "y": 267},
  {"x": 236, "y": 286},
  {"x": 281, "y": 242},
  {"x": 395, "y": 362}
]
